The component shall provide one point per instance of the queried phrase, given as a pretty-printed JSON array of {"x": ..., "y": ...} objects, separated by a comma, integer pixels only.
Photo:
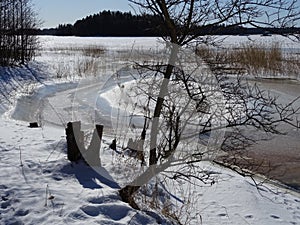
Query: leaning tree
[{"x": 190, "y": 112}]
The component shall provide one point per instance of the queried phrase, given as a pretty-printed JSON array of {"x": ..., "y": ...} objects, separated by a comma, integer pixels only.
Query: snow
[
  {"x": 236, "y": 200},
  {"x": 34, "y": 169},
  {"x": 289, "y": 44},
  {"x": 40, "y": 186},
  {"x": 112, "y": 43}
]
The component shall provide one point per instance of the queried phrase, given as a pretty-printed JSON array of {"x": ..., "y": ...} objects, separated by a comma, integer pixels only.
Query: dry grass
[
  {"x": 90, "y": 51},
  {"x": 86, "y": 67},
  {"x": 78, "y": 61},
  {"x": 80, "y": 67},
  {"x": 256, "y": 58},
  {"x": 93, "y": 51},
  {"x": 213, "y": 55}
]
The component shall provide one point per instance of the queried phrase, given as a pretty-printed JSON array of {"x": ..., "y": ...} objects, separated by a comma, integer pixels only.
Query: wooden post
[{"x": 74, "y": 140}]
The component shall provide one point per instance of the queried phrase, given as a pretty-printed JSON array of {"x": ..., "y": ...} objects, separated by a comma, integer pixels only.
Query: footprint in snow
[
  {"x": 22, "y": 213},
  {"x": 249, "y": 217},
  {"x": 91, "y": 210},
  {"x": 115, "y": 212},
  {"x": 104, "y": 199},
  {"x": 3, "y": 187},
  {"x": 78, "y": 216},
  {"x": 5, "y": 198},
  {"x": 5, "y": 204},
  {"x": 275, "y": 217},
  {"x": 57, "y": 178}
]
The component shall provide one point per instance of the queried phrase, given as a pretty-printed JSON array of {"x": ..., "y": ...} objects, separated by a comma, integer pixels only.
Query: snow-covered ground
[
  {"x": 288, "y": 44},
  {"x": 38, "y": 185}
]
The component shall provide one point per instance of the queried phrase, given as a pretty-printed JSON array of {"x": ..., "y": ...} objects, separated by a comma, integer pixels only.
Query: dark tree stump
[
  {"x": 33, "y": 125},
  {"x": 75, "y": 140}
]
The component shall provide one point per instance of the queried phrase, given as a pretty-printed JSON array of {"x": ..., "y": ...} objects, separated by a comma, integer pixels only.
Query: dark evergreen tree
[{"x": 108, "y": 23}]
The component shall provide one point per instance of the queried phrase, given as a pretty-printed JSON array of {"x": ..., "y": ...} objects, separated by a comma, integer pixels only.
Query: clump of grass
[
  {"x": 78, "y": 67},
  {"x": 292, "y": 62},
  {"x": 86, "y": 67},
  {"x": 213, "y": 55},
  {"x": 62, "y": 70},
  {"x": 93, "y": 51},
  {"x": 258, "y": 58},
  {"x": 84, "y": 63},
  {"x": 90, "y": 51},
  {"x": 205, "y": 52}
]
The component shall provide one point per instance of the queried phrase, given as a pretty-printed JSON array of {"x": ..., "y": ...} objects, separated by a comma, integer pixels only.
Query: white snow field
[{"x": 38, "y": 185}]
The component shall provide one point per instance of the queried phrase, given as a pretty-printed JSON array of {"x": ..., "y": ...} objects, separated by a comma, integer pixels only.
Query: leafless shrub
[
  {"x": 61, "y": 70},
  {"x": 18, "y": 43},
  {"x": 183, "y": 23},
  {"x": 86, "y": 67}
]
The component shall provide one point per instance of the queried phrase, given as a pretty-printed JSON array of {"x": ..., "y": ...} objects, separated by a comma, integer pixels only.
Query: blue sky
[{"x": 54, "y": 12}]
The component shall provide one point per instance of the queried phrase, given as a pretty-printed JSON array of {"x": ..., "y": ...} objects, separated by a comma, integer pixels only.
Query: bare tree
[
  {"x": 18, "y": 22},
  {"x": 189, "y": 101}
]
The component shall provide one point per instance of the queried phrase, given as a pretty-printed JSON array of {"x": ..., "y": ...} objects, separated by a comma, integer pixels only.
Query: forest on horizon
[{"x": 116, "y": 23}]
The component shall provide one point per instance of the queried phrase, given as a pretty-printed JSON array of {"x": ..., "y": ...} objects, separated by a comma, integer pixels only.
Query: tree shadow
[{"x": 90, "y": 177}]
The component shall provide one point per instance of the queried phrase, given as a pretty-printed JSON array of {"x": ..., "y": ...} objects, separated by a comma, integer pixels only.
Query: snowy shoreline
[{"x": 40, "y": 186}]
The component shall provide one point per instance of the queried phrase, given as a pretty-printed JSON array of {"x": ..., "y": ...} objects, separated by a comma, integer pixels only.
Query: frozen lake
[
  {"x": 80, "y": 195},
  {"x": 58, "y": 101}
]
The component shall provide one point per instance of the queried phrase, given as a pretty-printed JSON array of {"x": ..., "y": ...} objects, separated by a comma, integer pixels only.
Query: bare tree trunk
[
  {"x": 183, "y": 22},
  {"x": 127, "y": 193},
  {"x": 159, "y": 104}
]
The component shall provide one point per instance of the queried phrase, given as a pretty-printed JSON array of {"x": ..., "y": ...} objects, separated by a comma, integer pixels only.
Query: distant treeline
[{"x": 108, "y": 23}]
